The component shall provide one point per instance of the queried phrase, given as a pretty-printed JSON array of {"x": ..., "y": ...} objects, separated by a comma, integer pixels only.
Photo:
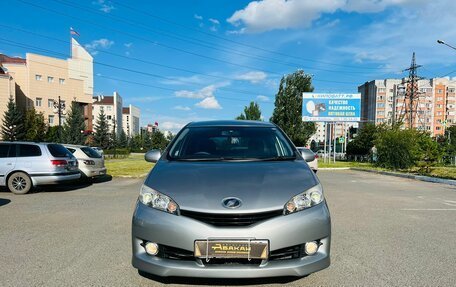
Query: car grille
[
  {"x": 223, "y": 219},
  {"x": 291, "y": 252}
]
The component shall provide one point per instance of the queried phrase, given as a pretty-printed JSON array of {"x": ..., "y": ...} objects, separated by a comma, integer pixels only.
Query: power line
[
  {"x": 237, "y": 42},
  {"x": 126, "y": 81},
  {"x": 160, "y": 44},
  {"x": 196, "y": 41},
  {"x": 150, "y": 62}
]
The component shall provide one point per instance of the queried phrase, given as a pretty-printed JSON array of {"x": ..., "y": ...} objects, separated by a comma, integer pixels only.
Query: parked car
[
  {"x": 230, "y": 199},
  {"x": 91, "y": 163},
  {"x": 27, "y": 164},
  {"x": 312, "y": 164}
]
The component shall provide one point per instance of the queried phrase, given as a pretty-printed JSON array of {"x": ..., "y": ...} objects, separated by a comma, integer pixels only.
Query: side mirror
[
  {"x": 152, "y": 155},
  {"x": 308, "y": 156}
]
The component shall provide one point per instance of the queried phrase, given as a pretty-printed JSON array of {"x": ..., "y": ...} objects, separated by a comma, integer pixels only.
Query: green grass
[
  {"x": 132, "y": 166},
  {"x": 342, "y": 164}
]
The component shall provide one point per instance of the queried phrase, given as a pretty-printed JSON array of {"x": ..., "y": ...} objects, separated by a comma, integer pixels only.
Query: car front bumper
[{"x": 180, "y": 232}]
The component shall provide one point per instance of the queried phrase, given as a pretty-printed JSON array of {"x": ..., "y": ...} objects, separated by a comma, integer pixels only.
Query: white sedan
[{"x": 312, "y": 164}]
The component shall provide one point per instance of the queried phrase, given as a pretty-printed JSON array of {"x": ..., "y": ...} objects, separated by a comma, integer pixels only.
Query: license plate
[{"x": 249, "y": 249}]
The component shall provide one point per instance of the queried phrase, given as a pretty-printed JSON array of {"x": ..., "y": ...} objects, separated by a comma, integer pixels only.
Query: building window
[
  {"x": 61, "y": 81},
  {"x": 50, "y": 79},
  {"x": 380, "y": 105},
  {"x": 439, "y": 91},
  {"x": 381, "y": 90},
  {"x": 50, "y": 104},
  {"x": 437, "y": 128},
  {"x": 38, "y": 102},
  {"x": 38, "y": 77},
  {"x": 109, "y": 108},
  {"x": 51, "y": 119},
  {"x": 439, "y": 98},
  {"x": 109, "y": 117}
]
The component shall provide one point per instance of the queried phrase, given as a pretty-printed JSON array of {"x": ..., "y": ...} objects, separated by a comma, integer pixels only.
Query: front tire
[{"x": 19, "y": 183}]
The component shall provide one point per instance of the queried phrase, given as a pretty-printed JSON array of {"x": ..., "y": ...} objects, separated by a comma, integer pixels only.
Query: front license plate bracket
[{"x": 232, "y": 248}]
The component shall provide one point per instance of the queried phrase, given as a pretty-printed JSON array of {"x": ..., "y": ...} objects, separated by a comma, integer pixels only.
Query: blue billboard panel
[{"x": 320, "y": 107}]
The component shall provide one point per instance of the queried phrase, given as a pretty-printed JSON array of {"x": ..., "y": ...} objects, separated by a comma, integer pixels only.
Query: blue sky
[{"x": 182, "y": 61}]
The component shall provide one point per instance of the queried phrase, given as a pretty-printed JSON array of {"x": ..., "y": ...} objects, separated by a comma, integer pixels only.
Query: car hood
[{"x": 261, "y": 186}]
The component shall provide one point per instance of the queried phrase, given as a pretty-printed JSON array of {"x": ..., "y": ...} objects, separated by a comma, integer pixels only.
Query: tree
[
  {"x": 364, "y": 141},
  {"x": 35, "y": 126},
  {"x": 52, "y": 134},
  {"x": 123, "y": 139},
  {"x": 252, "y": 113},
  {"x": 158, "y": 140},
  {"x": 13, "y": 127},
  {"x": 113, "y": 140},
  {"x": 74, "y": 127},
  {"x": 288, "y": 107},
  {"x": 101, "y": 135}
]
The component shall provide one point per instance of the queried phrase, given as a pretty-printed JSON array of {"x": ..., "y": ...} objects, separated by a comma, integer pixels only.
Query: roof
[
  {"x": 106, "y": 100},
  {"x": 231, "y": 123},
  {"x": 125, "y": 110},
  {"x": 11, "y": 60}
]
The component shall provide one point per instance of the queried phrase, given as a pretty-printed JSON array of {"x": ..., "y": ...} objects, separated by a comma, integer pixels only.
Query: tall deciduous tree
[
  {"x": 251, "y": 112},
  {"x": 288, "y": 107},
  {"x": 101, "y": 135},
  {"x": 74, "y": 127},
  {"x": 13, "y": 127}
]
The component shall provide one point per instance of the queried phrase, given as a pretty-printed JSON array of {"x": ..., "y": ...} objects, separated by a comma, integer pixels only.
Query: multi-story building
[
  {"x": 112, "y": 107},
  {"x": 130, "y": 120},
  {"x": 434, "y": 108},
  {"x": 7, "y": 90},
  {"x": 41, "y": 81}
]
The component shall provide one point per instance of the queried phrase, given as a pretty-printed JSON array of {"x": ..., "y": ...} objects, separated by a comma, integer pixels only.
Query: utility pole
[{"x": 412, "y": 91}]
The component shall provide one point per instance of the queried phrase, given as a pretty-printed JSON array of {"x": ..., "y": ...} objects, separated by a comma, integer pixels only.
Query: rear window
[
  {"x": 26, "y": 150},
  {"x": 72, "y": 150},
  {"x": 57, "y": 150},
  {"x": 90, "y": 152}
]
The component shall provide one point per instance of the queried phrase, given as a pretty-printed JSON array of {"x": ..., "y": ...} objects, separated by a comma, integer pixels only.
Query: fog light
[
  {"x": 311, "y": 248},
  {"x": 151, "y": 248}
]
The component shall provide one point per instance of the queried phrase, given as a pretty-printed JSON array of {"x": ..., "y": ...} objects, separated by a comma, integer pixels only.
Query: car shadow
[
  {"x": 219, "y": 281},
  {"x": 4, "y": 201}
]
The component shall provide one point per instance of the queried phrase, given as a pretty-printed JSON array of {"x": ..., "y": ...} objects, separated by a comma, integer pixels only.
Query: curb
[
  {"x": 410, "y": 176},
  {"x": 334, "y": 168}
]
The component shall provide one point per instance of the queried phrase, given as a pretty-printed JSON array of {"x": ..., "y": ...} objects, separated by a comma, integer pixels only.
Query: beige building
[
  {"x": 40, "y": 81},
  {"x": 384, "y": 101},
  {"x": 112, "y": 107},
  {"x": 130, "y": 120},
  {"x": 7, "y": 90}
]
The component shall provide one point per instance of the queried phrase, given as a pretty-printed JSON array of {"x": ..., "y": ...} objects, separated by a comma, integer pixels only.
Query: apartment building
[
  {"x": 385, "y": 101},
  {"x": 39, "y": 82},
  {"x": 130, "y": 120},
  {"x": 7, "y": 90},
  {"x": 112, "y": 107}
]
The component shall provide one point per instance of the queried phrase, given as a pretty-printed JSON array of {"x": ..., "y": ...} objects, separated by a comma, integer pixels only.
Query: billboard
[{"x": 322, "y": 107}]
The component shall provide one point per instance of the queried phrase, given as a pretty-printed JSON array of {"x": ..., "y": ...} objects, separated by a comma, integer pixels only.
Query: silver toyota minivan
[
  {"x": 27, "y": 164},
  {"x": 231, "y": 199}
]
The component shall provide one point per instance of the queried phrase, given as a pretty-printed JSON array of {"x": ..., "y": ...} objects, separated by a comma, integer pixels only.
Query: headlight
[
  {"x": 309, "y": 198},
  {"x": 156, "y": 200}
]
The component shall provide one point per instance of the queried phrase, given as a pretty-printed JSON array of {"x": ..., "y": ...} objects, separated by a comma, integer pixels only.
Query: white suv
[{"x": 27, "y": 164}]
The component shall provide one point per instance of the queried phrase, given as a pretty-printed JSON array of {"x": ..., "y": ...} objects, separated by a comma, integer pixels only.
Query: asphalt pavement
[{"x": 387, "y": 231}]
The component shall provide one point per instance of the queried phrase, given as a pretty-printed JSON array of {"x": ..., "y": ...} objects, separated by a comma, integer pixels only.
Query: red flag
[{"x": 74, "y": 32}]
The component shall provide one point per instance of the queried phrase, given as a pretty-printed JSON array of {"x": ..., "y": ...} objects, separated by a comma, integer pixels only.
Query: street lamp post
[
  {"x": 443, "y": 43},
  {"x": 59, "y": 108}
]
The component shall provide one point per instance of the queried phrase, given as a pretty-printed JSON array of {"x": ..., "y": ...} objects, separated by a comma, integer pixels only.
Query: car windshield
[{"x": 231, "y": 143}]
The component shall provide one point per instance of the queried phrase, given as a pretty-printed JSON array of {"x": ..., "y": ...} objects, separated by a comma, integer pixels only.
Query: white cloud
[
  {"x": 171, "y": 126},
  {"x": 182, "y": 108},
  {"x": 198, "y": 17},
  {"x": 128, "y": 45},
  {"x": 265, "y": 15},
  {"x": 209, "y": 103},
  {"x": 213, "y": 29},
  {"x": 262, "y": 98},
  {"x": 253, "y": 77},
  {"x": 205, "y": 92},
  {"x": 98, "y": 44},
  {"x": 214, "y": 21},
  {"x": 104, "y": 6}
]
